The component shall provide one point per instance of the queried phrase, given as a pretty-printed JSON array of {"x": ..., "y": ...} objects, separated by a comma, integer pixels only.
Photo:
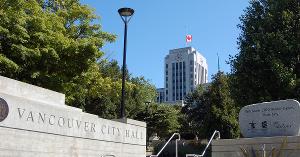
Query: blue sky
[{"x": 160, "y": 25}]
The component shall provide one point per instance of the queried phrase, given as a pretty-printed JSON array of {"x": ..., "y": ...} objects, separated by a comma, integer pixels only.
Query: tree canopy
[
  {"x": 212, "y": 110},
  {"x": 48, "y": 43},
  {"x": 268, "y": 64},
  {"x": 162, "y": 119}
]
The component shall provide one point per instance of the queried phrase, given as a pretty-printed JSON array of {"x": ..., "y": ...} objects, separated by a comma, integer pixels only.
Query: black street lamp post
[{"x": 126, "y": 14}]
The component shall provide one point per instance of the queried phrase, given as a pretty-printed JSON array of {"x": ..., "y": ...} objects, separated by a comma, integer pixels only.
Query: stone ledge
[
  {"x": 233, "y": 147},
  {"x": 256, "y": 140},
  {"x": 131, "y": 121},
  {"x": 27, "y": 91}
]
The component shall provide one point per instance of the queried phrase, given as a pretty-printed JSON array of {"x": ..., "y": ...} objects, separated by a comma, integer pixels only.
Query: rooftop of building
[
  {"x": 182, "y": 49},
  {"x": 188, "y": 49},
  {"x": 158, "y": 89}
]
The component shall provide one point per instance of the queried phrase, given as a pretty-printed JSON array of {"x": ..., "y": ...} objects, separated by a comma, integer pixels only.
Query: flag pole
[
  {"x": 186, "y": 33},
  {"x": 218, "y": 62}
]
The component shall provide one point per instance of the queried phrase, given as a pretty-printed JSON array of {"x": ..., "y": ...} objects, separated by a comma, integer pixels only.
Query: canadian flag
[{"x": 188, "y": 38}]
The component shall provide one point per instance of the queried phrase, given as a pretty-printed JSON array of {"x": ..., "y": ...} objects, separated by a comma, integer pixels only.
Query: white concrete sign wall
[
  {"x": 276, "y": 118},
  {"x": 255, "y": 147},
  {"x": 36, "y": 122}
]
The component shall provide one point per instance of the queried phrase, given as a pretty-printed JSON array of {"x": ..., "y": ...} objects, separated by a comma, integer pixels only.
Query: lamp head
[{"x": 125, "y": 12}]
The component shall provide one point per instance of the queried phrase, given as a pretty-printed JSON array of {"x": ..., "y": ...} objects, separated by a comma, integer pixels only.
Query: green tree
[
  {"x": 268, "y": 65},
  {"x": 223, "y": 112},
  {"x": 100, "y": 95},
  {"x": 142, "y": 91},
  {"x": 48, "y": 43},
  {"x": 194, "y": 112},
  {"x": 162, "y": 119},
  {"x": 110, "y": 69},
  {"x": 212, "y": 110},
  {"x": 95, "y": 94}
]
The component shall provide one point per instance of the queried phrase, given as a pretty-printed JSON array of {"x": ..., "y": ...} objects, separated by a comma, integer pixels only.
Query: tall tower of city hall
[{"x": 185, "y": 68}]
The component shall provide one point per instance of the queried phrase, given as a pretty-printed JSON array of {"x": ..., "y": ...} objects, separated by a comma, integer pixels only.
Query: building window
[
  {"x": 167, "y": 72},
  {"x": 191, "y": 63},
  {"x": 166, "y": 85},
  {"x": 173, "y": 96},
  {"x": 166, "y": 66},
  {"x": 167, "y": 79},
  {"x": 166, "y": 92},
  {"x": 167, "y": 99}
]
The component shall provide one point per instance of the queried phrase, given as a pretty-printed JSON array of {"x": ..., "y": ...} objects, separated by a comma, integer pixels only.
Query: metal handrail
[
  {"x": 108, "y": 155},
  {"x": 216, "y": 132},
  {"x": 176, "y": 141}
]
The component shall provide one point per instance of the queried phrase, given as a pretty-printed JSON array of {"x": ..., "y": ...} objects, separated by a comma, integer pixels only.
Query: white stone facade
[
  {"x": 185, "y": 68},
  {"x": 35, "y": 122},
  {"x": 268, "y": 119}
]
